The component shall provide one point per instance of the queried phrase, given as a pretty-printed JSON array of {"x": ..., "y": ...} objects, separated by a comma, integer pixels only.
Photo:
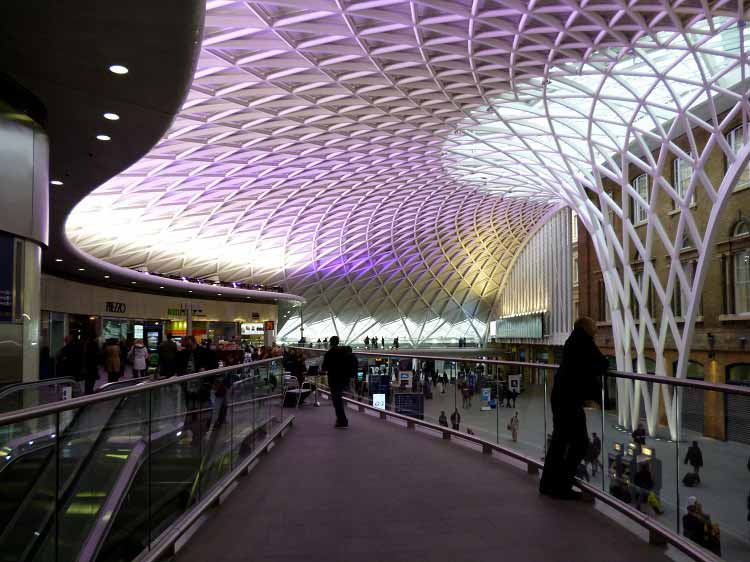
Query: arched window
[
  {"x": 741, "y": 228},
  {"x": 741, "y": 262},
  {"x": 739, "y": 373},
  {"x": 694, "y": 370}
]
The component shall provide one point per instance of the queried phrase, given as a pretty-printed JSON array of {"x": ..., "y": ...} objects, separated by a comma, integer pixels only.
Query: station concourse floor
[{"x": 380, "y": 492}]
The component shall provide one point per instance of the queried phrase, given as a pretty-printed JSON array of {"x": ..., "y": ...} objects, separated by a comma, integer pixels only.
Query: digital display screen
[
  {"x": 138, "y": 331},
  {"x": 251, "y": 328}
]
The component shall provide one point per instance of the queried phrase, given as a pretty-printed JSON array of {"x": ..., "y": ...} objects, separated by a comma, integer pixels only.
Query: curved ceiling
[{"x": 387, "y": 159}]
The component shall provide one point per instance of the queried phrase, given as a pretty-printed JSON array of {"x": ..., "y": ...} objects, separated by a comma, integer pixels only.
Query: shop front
[{"x": 82, "y": 311}]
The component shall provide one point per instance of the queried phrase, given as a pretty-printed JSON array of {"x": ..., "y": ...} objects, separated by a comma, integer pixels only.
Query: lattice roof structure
[{"x": 388, "y": 159}]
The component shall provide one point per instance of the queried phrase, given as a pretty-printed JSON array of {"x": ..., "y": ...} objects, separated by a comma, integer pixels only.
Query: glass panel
[{"x": 638, "y": 447}]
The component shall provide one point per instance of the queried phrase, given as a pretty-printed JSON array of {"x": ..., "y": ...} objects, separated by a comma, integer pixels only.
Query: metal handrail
[
  {"x": 11, "y": 388},
  {"x": 658, "y": 379},
  {"x": 534, "y": 465},
  {"x": 75, "y": 403}
]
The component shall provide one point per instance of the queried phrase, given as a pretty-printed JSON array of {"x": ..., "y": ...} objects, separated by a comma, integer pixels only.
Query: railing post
[
  {"x": 532, "y": 469},
  {"x": 382, "y": 415},
  {"x": 361, "y": 408},
  {"x": 409, "y": 424},
  {"x": 446, "y": 435},
  {"x": 486, "y": 449}
]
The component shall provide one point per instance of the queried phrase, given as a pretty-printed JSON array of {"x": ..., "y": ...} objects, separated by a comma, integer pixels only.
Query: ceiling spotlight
[
  {"x": 111, "y": 116},
  {"x": 81, "y": 269},
  {"x": 106, "y": 276},
  {"x": 103, "y": 137},
  {"x": 56, "y": 182},
  {"x": 132, "y": 282},
  {"x": 58, "y": 259},
  {"x": 118, "y": 69},
  {"x": 190, "y": 290},
  {"x": 219, "y": 294},
  {"x": 161, "y": 287}
]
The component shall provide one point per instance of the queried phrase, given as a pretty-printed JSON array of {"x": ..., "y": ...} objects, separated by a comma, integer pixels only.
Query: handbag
[{"x": 653, "y": 501}]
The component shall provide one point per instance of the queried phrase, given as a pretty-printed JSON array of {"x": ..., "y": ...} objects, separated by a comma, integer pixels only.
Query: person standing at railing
[
  {"x": 443, "y": 419},
  {"x": 576, "y": 382},
  {"x": 340, "y": 364}
]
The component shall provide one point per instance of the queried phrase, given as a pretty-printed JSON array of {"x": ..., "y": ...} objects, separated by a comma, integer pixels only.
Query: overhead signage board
[{"x": 251, "y": 329}]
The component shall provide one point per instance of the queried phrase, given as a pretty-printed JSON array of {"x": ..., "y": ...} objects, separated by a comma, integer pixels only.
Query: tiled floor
[{"x": 380, "y": 492}]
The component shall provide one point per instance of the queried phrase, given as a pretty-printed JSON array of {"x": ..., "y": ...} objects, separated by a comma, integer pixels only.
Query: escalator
[{"x": 128, "y": 468}]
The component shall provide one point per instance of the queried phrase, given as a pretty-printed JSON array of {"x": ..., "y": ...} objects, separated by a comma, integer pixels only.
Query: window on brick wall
[
  {"x": 734, "y": 138},
  {"x": 741, "y": 266},
  {"x": 640, "y": 209},
  {"x": 682, "y": 172}
]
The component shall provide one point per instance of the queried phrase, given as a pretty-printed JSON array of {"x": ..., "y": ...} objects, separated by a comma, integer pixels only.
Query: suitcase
[{"x": 691, "y": 479}]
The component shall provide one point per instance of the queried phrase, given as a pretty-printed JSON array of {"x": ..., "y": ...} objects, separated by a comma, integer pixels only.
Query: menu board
[
  {"x": 251, "y": 328},
  {"x": 410, "y": 404}
]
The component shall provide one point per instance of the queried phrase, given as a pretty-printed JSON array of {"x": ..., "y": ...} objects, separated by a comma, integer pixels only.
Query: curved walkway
[{"x": 380, "y": 492}]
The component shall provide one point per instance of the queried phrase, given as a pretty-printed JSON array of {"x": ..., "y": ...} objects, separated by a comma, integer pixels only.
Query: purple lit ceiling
[{"x": 385, "y": 159}]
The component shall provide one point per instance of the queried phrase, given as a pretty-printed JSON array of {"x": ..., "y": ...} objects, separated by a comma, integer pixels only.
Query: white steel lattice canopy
[{"x": 387, "y": 159}]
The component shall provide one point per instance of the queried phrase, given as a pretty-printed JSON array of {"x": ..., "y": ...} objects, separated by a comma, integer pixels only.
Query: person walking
[
  {"x": 456, "y": 420},
  {"x": 91, "y": 359},
  {"x": 367, "y": 342},
  {"x": 639, "y": 435},
  {"x": 167, "y": 357},
  {"x": 694, "y": 457},
  {"x": 70, "y": 360},
  {"x": 382, "y": 342},
  {"x": 340, "y": 364},
  {"x": 592, "y": 455},
  {"x": 443, "y": 420},
  {"x": 576, "y": 382},
  {"x": 138, "y": 357},
  {"x": 513, "y": 427},
  {"x": 112, "y": 359}
]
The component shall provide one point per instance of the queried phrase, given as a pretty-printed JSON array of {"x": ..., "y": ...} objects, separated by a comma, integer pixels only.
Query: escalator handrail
[
  {"x": 53, "y": 408},
  {"x": 65, "y": 487},
  {"x": 9, "y": 389}
]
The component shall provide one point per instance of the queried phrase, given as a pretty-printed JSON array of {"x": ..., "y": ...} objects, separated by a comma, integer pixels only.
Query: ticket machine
[{"x": 636, "y": 456}]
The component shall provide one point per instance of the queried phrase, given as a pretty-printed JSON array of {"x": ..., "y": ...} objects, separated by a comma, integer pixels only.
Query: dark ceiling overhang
[{"x": 61, "y": 51}]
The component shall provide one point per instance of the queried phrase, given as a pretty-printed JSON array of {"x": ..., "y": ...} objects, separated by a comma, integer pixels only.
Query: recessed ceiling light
[
  {"x": 58, "y": 259},
  {"x": 118, "y": 69},
  {"x": 81, "y": 269},
  {"x": 161, "y": 287},
  {"x": 106, "y": 276},
  {"x": 111, "y": 116},
  {"x": 132, "y": 282},
  {"x": 190, "y": 290},
  {"x": 56, "y": 182},
  {"x": 103, "y": 137},
  {"x": 219, "y": 294}
]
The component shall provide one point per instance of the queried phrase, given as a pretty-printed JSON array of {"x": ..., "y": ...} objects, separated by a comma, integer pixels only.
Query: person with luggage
[
  {"x": 339, "y": 364},
  {"x": 694, "y": 457},
  {"x": 456, "y": 420},
  {"x": 576, "y": 383}
]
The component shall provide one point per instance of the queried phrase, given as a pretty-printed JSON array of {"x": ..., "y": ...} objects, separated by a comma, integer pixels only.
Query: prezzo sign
[{"x": 116, "y": 307}]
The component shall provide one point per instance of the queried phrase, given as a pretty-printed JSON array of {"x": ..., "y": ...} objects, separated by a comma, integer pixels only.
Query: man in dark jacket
[
  {"x": 340, "y": 364},
  {"x": 167, "y": 357},
  {"x": 694, "y": 457},
  {"x": 576, "y": 382}
]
